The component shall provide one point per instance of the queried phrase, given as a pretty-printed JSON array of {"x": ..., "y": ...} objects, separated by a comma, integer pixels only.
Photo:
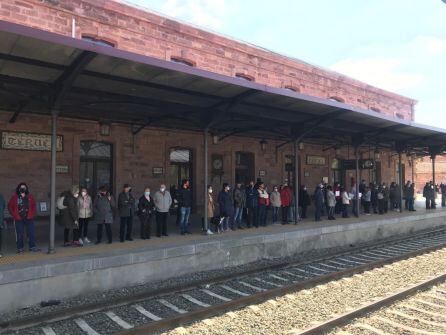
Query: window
[
  {"x": 180, "y": 156},
  {"x": 98, "y": 41},
  {"x": 244, "y": 77},
  {"x": 182, "y": 61},
  {"x": 399, "y": 116},
  {"x": 291, "y": 88},
  {"x": 374, "y": 109},
  {"x": 334, "y": 98}
]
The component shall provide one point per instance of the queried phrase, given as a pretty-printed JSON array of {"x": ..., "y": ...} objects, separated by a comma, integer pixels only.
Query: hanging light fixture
[
  {"x": 214, "y": 139},
  {"x": 263, "y": 144},
  {"x": 104, "y": 129}
]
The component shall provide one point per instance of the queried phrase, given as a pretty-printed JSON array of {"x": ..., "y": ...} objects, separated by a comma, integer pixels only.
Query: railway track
[
  {"x": 149, "y": 314},
  {"x": 417, "y": 309}
]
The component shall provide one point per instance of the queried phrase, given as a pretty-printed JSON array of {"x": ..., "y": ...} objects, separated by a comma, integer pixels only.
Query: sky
[{"x": 397, "y": 45}]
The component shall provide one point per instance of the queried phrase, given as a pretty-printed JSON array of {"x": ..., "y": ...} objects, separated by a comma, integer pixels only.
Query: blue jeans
[
  {"x": 275, "y": 214},
  {"x": 261, "y": 216},
  {"x": 184, "y": 223},
  {"x": 238, "y": 216},
  {"x": 20, "y": 227}
]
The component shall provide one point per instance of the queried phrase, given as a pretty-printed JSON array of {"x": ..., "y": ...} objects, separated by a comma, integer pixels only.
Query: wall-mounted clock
[{"x": 217, "y": 163}]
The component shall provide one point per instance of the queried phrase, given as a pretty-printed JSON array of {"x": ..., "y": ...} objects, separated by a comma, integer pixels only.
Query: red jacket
[
  {"x": 13, "y": 207},
  {"x": 285, "y": 196}
]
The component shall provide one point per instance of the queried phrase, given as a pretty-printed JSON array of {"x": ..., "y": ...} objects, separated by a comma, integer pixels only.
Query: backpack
[{"x": 60, "y": 204}]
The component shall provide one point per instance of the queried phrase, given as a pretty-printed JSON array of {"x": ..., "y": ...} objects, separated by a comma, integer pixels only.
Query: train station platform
[{"x": 29, "y": 278}]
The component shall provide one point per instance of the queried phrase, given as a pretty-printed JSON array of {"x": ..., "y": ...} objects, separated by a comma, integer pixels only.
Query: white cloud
[
  {"x": 381, "y": 72},
  {"x": 201, "y": 12}
]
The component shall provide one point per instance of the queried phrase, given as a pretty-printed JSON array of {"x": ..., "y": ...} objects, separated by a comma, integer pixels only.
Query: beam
[{"x": 22, "y": 105}]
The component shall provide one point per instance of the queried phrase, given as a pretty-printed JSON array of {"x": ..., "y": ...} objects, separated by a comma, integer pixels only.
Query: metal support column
[
  {"x": 206, "y": 172},
  {"x": 413, "y": 168},
  {"x": 358, "y": 202},
  {"x": 400, "y": 180},
  {"x": 296, "y": 181},
  {"x": 433, "y": 156},
  {"x": 54, "y": 114}
]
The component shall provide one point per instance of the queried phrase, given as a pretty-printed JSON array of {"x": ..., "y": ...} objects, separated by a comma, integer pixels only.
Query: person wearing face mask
[
  {"x": 103, "y": 209},
  {"x": 211, "y": 211},
  {"x": 226, "y": 206},
  {"x": 264, "y": 202},
  {"x": 276, "y": 203},
  {"x": 126, "y": 207},
  {"x": 69, "y": 217},
  {"x": 146, "y": 208},
  {"x": 22, "y": 208},
  {"x": 304, "y": 200},
  {"x": 386, "y": 194},
  {"x": 163, "y": 201},
  {"x": 252, "y": 202},
  {"x": 286, "y": 198},
  {"x": 85, "y": 207},
  {"x": 185, "y": 204}
]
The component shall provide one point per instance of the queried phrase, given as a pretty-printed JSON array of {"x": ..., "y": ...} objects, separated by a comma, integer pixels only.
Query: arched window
[
  {"x": 244, "y": 77},
  {"x": 374, "y": 109},
  {"x": 182, "y": 61},
  {"x": 98, "y": 41},
  {"x": 291, "y": 88},
  {"x": 335, "y": 98}
]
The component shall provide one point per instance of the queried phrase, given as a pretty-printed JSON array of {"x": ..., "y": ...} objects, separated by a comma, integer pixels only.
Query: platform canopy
[{"x": 41, "y": 71}]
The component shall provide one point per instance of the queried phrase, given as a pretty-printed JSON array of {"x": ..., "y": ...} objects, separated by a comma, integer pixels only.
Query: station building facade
[{"x": 93, "y": 153}]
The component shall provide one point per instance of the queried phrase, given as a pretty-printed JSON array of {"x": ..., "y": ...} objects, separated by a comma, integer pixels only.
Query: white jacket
[{"x": 345, "y": 198}]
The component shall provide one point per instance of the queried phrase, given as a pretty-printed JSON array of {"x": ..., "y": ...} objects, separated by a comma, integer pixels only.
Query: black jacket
[
  {"x": 145, "y": 207},
  {"x": 184, "y": 197},
  {"x": 126, "y": 204}
]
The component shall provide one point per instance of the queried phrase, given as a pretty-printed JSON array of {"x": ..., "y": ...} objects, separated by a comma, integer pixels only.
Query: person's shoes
[
  {"x": 86, "y": 240},
  {"x": 240, "y": 227},
  {"x": 35, "y": 249},
  {"x": 19, "y": 251},
  {"x": 67, "y": 244},
  {"x": 181, "y": 234},
  {"x": 160, "y": 235},
  {"x": 81, "y": 241},
  {"x": 76, "y": 244},
  {"x": 209, "y": 232},
  {"x": 109, "y": 242},
  {"x": 188, "y": 233},
  {"x": 143, "y": 238},
  {"x": 165, "y": 235},
  {"x": 129, "y": 239},
  {"x": 122, "y": 241},
  {"x": 97, "y": 242},
  {"x": 148, "y": 238}
]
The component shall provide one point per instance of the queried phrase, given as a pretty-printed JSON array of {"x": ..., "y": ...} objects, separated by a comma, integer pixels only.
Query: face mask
[
  {"x": 103, "y": 193},
  {"x": 305, "y": 188},
  {"x": 146, "y": 194},
  {"x": 227, "y": 188},
  {"x": 162, "y": 189},
  {"x": 275, "y": 190},
  {"x": 84, "y": 194}
]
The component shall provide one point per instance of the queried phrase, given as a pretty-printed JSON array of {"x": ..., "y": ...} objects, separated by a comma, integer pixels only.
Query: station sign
[
  {"x": 364, "y": 164},
  {"x": 29, "y": 141}
]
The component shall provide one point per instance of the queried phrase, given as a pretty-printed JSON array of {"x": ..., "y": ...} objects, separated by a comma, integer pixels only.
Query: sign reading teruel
[{"x": 29, "y": 141}]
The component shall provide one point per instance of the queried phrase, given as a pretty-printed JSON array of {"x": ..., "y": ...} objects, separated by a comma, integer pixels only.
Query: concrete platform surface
[{"x": 29, "y": 278}]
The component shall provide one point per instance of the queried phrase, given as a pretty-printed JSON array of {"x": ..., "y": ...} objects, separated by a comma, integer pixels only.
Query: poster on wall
[{"x": 29, "y": 141}]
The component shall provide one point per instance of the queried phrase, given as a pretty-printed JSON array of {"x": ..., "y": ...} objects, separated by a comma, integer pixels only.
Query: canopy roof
[{"x": 42, "y": 71}]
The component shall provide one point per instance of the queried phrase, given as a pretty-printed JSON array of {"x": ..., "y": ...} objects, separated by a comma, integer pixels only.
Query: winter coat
[
  {"x": 225, "y": 204},
  {"x": 239, "y": 198},
  {"x": 411, "y": 192},
  {"x": 345, "y": 198},
  {"x": 184, "y": 197},
  {"x": 304, "y": 198},
  {"x": 286, "y": 196},
  {"x": 69, "y": 216},
  {"x": 211, "y": 206},
  {"x": 331, "y": 199},
  {"x": 13, "y": 207},
  {"x": 126, "y": 204},
  {"x": 275, "y": 199},
  {"x": 319, "y": 197},
  {"x": 252, "y": 197},
  {"x": 162, "y": 201},
  {"x": 85, "y": 206},
  {"x": 103, "y": 209},
  {"x": 2, "y": 210},
  {"x": 145, "y": 207},
  {"x": 367, "y": 197}
]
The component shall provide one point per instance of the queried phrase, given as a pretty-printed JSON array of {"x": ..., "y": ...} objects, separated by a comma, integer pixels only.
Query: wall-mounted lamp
[
  {"x": 104, "y": 129},
  {"x": 263, "y": 144},
  {"x": 301, "y": 145},
  {"x": 214, "y": 139},
  {"x": 377, "y": 154}
]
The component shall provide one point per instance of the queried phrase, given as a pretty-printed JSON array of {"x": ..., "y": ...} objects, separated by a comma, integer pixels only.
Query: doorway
[
  {"x": 180, "y": 167},
  {"x": 96, "y": 162},
  {"x": 244, "y": 167}
]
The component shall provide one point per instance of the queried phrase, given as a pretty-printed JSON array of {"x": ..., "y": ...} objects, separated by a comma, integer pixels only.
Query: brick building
[{"x": 105, "y": 152}]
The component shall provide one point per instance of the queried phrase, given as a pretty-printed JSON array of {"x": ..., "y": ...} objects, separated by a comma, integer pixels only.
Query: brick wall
[{"x": 143, "y": 32}]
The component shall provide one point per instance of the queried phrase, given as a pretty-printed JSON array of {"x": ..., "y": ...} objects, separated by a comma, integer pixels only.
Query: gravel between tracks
[{"x": 299, "y": 310}]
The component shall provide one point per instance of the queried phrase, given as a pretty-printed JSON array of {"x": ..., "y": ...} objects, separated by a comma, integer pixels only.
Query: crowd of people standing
[{"x": 245, "y": 206}]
